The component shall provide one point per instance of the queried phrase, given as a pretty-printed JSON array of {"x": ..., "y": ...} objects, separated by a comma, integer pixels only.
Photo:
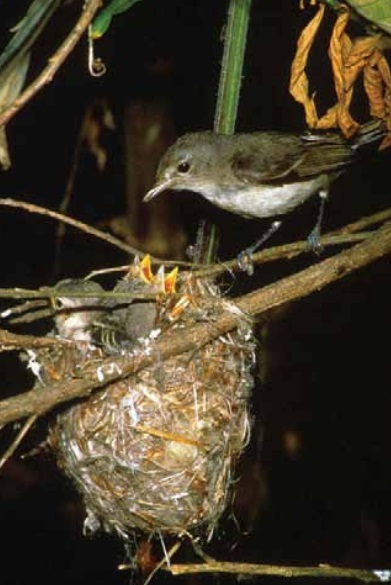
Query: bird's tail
[{"x": 369, "y": 133}]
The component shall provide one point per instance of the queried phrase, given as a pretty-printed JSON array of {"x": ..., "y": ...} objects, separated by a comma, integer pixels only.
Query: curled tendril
[{"x": 96, "y": 67}]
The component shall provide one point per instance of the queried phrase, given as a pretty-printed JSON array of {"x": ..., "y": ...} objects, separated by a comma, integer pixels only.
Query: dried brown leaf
[
  {"x": 302, "y": 6},
  {"x": 299, "y": 86},
  {"x": 346, "y": 122},
  {"x": 374, "y": 87},
  {"x": 339, "y": 51},
  {"x": 386, "y": 142},
  {"x": 329, "y": 119},
  {"x": 359, "y": 55},
  {"x": 385, "y": 72},
  {"x": 348, "y": 60},
  {"x": 339, "y": 48}
]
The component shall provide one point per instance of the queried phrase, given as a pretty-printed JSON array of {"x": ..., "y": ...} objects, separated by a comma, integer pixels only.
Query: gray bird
[{"x": 262, "y": 174}]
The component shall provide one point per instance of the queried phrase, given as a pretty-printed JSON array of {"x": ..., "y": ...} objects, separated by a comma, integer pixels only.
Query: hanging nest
[{"x": 155, "y": 451}]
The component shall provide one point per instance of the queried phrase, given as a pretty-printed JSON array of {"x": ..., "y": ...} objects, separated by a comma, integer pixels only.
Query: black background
[{"x": 328, "y": 370}]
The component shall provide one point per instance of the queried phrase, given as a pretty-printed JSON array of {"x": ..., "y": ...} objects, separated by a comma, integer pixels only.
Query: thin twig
[
  {"x": 287, "y": 289},
  {"x": 32, "y": 208},
  {"x": 12, "y": 341},
  {"x": 286, "y": 252},
  {"x": 18, "y": 439},
  {"x": 164, "y": 561},
  {"x": 89, "y": 9},
  {"x": 345, "y": 235},
  {"x": 365, "y": 575},
  {"x": 55, "y": 293},
  {"x": 365, "y": 222}
]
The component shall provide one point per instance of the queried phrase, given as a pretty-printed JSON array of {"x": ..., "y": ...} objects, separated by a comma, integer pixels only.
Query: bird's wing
[
  {"x": 266, "y": 156},
  {"x": 270, "y": 157},
  {"x": 324, "y": 153}
]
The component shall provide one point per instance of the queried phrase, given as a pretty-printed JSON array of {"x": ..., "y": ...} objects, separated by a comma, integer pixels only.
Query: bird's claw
[
  {"x": 313, "y": 241},
  {"x": 245, "y": 262}
]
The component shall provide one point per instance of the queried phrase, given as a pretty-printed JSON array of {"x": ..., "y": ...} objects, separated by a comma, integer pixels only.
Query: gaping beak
[{"x": 158, "y": 188}]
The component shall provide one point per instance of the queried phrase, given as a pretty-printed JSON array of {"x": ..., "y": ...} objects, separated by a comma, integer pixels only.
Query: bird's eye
[{"x": 183, "y": 167}]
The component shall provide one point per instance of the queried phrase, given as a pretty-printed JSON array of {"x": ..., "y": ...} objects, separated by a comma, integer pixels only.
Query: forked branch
[
  {"x": 254, "y": 304},
  {"x": 89, "y": 9}
]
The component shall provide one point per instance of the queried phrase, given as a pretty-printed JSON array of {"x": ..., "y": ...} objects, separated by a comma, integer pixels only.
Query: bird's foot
[
  {"x": 313, "y": 241},
  {"x": 245, "y": 261}
]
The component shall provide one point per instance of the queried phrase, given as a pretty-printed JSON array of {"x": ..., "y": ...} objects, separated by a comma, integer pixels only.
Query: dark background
[{"x": 316, "y": 477}]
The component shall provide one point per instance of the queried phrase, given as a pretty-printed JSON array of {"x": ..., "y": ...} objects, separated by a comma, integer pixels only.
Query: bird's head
[{"x": 186, "y": 165}]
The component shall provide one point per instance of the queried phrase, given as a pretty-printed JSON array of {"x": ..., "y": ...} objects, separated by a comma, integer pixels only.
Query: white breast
[{"x": 267, "y": 200}]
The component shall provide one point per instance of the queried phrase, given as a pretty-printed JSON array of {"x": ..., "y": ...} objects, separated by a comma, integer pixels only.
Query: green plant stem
[{"x": 235, "y": 38}]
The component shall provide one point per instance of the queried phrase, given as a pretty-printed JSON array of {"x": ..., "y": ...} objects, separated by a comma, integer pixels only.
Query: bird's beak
[{"x": 158, "y": 188}]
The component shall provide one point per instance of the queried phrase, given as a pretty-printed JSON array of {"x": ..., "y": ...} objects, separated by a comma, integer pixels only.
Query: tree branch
[
  {"x": 37, "y": 402},
  {"x": 278, "y": 571},
  {"x": 11, "y": 341},
  {"x": 89, "y": 9},
  {"x": 318, "y": 276},
  {"x": 348, "y": 234},
  {"x": 83, "y": 227}
]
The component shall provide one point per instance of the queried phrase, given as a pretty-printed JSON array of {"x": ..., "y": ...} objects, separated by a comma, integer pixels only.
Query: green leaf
[
  {"x": 102, "y": 22},
  {"x": 377, "y": 11},
  {"x": 27, "y": 30},
  {"x": 335, "y": 4}
]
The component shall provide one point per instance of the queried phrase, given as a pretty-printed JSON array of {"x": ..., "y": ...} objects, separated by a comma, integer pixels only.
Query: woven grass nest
[{"x": 154, "y": 452}]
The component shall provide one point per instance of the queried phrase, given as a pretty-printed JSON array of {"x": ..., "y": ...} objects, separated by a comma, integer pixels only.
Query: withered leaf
[
  {"x": 348, "y": 59},
  {"x": 299, "y": 86},
  {"x": 374, "y": 87},
  {"x": 329, "y": 119},
  {"x": 360, "y": 53},
  {"x": 339, "y": 51}
]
